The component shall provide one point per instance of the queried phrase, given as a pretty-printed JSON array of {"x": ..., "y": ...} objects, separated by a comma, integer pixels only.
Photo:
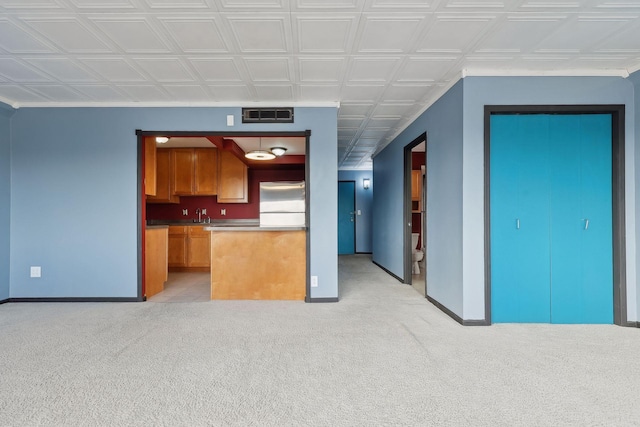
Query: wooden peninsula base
[{"x": 258, "y": 264}]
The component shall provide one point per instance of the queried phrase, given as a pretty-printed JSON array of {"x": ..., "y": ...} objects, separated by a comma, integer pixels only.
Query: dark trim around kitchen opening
[
  {"x": 4, "y": 301},
  {"x": 140, "y": 192}
]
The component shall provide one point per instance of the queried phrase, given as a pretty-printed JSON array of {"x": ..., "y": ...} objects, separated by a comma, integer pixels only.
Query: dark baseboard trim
[
  {"x": 632, "y": 324},
  {"x": 76, "y": 299},
  {"x": 456, "y": 317},
  {"x": 364, "y": 253},
  {"x": 308, "y": 299},
  {"x": 4, "y": 301},
  {"x": 388, "y": 272}
]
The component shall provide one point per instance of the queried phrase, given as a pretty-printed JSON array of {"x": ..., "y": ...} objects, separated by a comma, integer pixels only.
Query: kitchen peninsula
[{"x": 252, "y": 262}]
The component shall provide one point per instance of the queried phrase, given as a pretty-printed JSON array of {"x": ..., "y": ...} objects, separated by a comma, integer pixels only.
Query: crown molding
[{"x": 279, "y": 104}]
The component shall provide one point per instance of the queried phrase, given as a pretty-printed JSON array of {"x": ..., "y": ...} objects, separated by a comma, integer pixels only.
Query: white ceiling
[
  {"x": 295, "y": 145},
  {"x": 384, "y": 61}
]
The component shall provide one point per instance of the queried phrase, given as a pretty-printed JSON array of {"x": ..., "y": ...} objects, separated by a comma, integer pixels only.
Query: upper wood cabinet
[
  {"x": 416, "y": 184},
  {"x": 149, "y": 166},
  {"x": 233, "y": 182},
  {"x": 205, "y": 171},
  {"x": 195, "y": 171},
  {"x": 164, "y": 179}
]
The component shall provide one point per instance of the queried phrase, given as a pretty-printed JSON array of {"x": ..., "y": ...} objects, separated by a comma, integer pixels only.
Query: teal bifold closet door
[
  {"x": 581, "y": 219},
  {"x": 551, "y": 218},
  {"x": 520, "y": 268}
]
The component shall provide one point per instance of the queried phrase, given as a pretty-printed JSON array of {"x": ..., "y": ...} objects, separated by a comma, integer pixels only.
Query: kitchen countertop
[
  {"x": 156, "y": 226},
  {"x": 213, "y": 223},
  {"x": 213, "y": 227}
]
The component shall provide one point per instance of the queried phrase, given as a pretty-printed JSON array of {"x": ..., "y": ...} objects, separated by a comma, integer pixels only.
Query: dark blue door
[
  {"x": 346, "y": 217},
  {"x": 551, "y": 218}
]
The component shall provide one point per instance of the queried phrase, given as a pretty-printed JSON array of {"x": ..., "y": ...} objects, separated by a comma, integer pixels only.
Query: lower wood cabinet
[
  {"x": 155, "y": 266},
  {"x": 189, "y": 248}
]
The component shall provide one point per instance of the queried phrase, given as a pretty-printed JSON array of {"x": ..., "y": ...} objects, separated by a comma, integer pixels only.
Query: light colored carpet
[{"x": 382, "y": 356}]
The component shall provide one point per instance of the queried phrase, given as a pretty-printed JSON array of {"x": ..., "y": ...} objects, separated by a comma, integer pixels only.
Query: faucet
[{"x": 199, "y": 212}]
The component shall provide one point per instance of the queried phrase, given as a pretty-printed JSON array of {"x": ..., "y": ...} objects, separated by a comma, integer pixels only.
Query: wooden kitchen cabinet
[
  {"x": 155, "y": 265},
  {"x": 164, "y": 179},
  {"x": 149, "y": 166},
  {"x": 195, "y": 171},
  {"x": 416, "y": 190},
  {"x": 233, "y": 183},
  {"x": 177, "y": 246},
  {"x": 199, "y": 247},
  {"x": 189, "y": 248}
]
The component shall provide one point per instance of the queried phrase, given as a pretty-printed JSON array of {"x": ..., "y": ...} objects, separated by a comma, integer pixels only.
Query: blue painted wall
[
  {"x": 74, "y": 200},
  {"x": 5, "y": 197},
  {"x": 364, "y": 201},
  {"x": 443, "y": 124},
  {"x": 455, "y": 168},
  {"x": 481, "y": 91}
]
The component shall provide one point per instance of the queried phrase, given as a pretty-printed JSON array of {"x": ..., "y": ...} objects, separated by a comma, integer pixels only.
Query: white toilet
[{"x": 416, "y": 254}]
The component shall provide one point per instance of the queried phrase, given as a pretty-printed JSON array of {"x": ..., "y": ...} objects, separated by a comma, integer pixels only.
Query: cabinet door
[
  {"x": 206, "y": 171},
  {"x": 416, "y": 184},
  {"x": 199, "y": 250},
  {"x": 520, "y": 256},
  {"x": 232, "y": 179},
  {"x": 149, "y": 166},
  {"x": 183, "y": 175},
  {"x": 164, "y": 179},
  {"x": 177, "y": 256}
]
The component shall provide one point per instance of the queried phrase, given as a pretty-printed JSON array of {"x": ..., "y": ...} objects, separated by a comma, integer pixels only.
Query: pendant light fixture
[
  {"x": 278, "y": 151},
  {"x": 260, "y": 154}
]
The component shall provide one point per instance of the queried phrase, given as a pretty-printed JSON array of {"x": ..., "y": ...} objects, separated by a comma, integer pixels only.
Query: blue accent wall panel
[
  {"x": 74, "y": 196},
  {"x": 443, "y": 123},
  {"x": 364, "y": 200},
  {"x": 5, "y": 197}
]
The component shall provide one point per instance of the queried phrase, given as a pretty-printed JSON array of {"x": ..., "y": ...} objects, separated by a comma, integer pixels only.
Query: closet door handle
[
  {"x": 586, "y": 223},
  {"x": 517, "y": 223}
]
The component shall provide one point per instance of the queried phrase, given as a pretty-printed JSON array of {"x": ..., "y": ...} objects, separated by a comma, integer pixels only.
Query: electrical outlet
[
  {"x": 314, "y": 281},
  {"x": 223, "y": 212},
  {"x": 36, "y": 271},
  {"x": 204, "y": 211},
  {"x": 185, "y": 212}
]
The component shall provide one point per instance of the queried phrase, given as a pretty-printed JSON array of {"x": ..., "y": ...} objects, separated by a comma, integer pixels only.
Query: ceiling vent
[{"x": 267, "y": 115}]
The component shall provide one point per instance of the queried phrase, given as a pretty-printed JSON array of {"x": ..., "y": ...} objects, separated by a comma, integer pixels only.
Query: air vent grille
[{"x": 267, "y": 115}]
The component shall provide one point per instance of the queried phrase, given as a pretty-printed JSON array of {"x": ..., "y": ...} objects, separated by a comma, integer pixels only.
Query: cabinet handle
[
  {"x": 586, "y": 223},
  {"x": 517, "y": 223}
]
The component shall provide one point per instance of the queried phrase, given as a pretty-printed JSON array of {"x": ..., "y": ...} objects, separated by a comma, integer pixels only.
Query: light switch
[
  {"x": 230, "y": 120},
  {"x": 359, "y": 212}
]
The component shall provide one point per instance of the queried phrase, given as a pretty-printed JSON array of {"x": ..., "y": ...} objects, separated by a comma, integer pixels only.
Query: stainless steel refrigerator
[{"x": 282, "y": 204}]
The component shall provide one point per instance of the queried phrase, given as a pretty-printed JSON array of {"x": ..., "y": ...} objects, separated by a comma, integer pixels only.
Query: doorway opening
[
  {"x": 191, "y": 181},
  {"x": 415, "y": 235}
]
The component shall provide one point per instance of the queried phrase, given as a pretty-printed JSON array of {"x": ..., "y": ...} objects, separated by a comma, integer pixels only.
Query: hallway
[{"x": 383, "y": 355}]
